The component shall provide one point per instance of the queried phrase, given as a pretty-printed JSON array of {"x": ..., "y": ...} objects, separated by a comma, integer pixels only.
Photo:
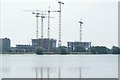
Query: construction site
[
  {"x": 41, "y": 42},
  {"x": 48, "y": 43}
]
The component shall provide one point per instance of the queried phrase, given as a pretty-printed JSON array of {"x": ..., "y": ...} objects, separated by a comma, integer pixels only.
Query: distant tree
[
  {"x": 54, "y": 50},
  {"x": 39, "y": 51},
  {"x": 80, "y": 49},
  {"x": 115, "y": 50},
  {"x": 99, "y": 49},
  {"x": 62, "y": 50}
]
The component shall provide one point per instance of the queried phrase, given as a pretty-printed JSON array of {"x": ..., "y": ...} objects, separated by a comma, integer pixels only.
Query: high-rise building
[{"x": 5, "y": 45}]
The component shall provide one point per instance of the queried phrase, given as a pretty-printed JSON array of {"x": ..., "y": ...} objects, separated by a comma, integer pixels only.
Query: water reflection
[{"x": 59, "y": 66}]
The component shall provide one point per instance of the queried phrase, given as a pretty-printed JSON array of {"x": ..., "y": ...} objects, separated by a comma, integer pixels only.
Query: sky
[{"x": 100, "y": 18}]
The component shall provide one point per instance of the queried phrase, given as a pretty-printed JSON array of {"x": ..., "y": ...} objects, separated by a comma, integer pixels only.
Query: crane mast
[
  {"x": 37, "y": 15},
  {"x": 42, "y": 17},
  {"x": 49, "y": 11},
  {"x": 80, "y": 30},
  {"x": 59, "y": 41},
  {"x": 49, "y": 23}
]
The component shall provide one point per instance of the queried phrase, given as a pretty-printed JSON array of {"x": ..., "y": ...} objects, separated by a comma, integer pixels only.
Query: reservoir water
[{"x": 68, "y": 66}]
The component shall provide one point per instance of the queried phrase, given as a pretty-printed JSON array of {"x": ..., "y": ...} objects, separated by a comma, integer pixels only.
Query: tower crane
[
  {"x": 80, "y": 30},
  {"x": 59, "y": 41},
  {"x": 37, "y": 15},
  {"x": 49, "y": 11},
  {"x": 42, "y": 17}
]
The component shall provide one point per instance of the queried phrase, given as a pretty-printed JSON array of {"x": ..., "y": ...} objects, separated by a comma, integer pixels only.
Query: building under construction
[
  {"x": 45, "y": 43},
  {"x": 73, "y": 45}
]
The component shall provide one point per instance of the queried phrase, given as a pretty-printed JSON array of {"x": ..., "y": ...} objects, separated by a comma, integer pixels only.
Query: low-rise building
[
  {"x": 24, "y": 48},
  {"x": 73, "y": 45}
]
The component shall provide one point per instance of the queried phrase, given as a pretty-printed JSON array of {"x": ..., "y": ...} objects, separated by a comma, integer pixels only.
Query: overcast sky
[{"x": 100, "y": 19}]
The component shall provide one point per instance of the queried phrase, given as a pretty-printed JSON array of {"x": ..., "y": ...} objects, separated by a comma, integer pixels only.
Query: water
[{"x": 69, "y": 66}]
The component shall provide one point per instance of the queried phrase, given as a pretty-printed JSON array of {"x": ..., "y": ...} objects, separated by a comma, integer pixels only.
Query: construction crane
[
  {"x": 80, "y": 30},
  {"x": 49, "y": 11},
  {"x": 37, "y": 15},
  {"x": 59, "y": 41},
  {"x": 49, "y": 27},
  {"x": 42, "y": 17}
]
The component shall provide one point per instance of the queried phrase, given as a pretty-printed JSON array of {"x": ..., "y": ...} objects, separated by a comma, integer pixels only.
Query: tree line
[{"x": 79, "y": 49}]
